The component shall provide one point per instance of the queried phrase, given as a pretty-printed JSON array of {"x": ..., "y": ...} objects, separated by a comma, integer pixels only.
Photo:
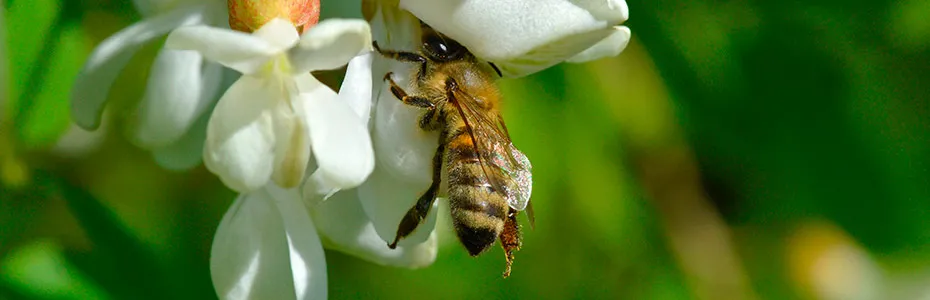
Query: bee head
[{"x": 438, "y": 47}]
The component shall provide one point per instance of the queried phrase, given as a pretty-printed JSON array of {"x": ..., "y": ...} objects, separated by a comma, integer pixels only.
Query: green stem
[{"x": 38, "y": 74}]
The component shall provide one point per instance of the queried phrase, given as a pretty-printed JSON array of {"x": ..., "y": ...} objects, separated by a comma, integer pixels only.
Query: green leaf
[
  {"x": 43, "y": 113},
  {"x": 119, "y": 261},
  {"x": 40, "y": 270},
  {"x": 28, "y": 24}
]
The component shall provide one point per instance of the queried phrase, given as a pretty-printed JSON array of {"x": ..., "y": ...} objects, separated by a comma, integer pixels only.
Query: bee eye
[{"x": 441, "y": 48}]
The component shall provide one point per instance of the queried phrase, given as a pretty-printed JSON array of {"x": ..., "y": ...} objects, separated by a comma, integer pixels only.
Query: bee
[{"x": 488, "y": 179}]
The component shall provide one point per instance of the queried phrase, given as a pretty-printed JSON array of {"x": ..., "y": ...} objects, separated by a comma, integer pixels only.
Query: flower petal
[
  {"x": 608, "y": 47},
  {"x": 92, "y": 85},
  {"x": 386, "y": 199},
  {"x": 404, "y": 152},
  {"x": 356, "y": 87},
  {"x": 292, "y": 148},
  {"x": 267, "y": 248},
  {"x": 505, "y": 29},
  {"x": 237, "y": 50},
  {"x": 278, "y": 32},
  {"x": 330, "y": 45},
  {"x": 180, "y": 87},
  {"x": 339, "y": 138},
  {"x": 186, "y": 152},
  {"x": 246, "y": 260},
  {"x": 612, "y": 11},
  {"x": 308, "y": 263},
  {"x": 402, "y": 149},
  {"x": 240, "y": 137},
  {"x": 552, "y": 53},
  {"x": 344, "y": 226}
]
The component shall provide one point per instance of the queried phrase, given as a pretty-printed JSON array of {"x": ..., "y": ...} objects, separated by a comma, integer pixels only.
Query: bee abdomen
[
  {"x": 461, "y": 147},
  {"x": 478, "y": 213},
  {"x": 476, "y": 223}
]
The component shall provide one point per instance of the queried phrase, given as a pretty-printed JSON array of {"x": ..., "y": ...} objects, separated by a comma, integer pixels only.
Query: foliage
[{"x": 751, "y": 136}]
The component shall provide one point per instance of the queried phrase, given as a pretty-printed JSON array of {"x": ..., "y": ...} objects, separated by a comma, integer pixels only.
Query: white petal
[
  {"x": 344, "y": 226},
  {"x": 553, "y": 53},
  {"x": 180, "y": 87},
  {"x": 292, "y": 148},
  {"x": 246, "y": 259},
  {"x": 339, "y": 138},
  {"x": 356, "y": 87},
  {"x": 505, "y": 29},
  {"x": 308, "y": 263},
  {"x": 92, "y": 85},
  {"x": 394, "y": 28},
  {"x": 186, "y": 152},
  {"x": 267, "y": 248},
  {"x": 402, "y": 149},
  {"x": 240, "y": 136},
  {"x": 386, "y": 199},
  {"x": 608, "y": 47},
  {"x": 237, "y": 50},
  {"x": 404, "y": 153},
  {"x": 612, "y": 11},
  {"x": 330, "y": 44},
  {"x": 278, "y": 32}
]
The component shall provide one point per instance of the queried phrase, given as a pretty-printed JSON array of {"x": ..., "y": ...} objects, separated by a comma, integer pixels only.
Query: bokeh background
[{"x": 741, "y": 149}]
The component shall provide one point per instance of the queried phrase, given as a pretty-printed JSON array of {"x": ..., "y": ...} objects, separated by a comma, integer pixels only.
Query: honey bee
[{"x": 488, "y": 179}]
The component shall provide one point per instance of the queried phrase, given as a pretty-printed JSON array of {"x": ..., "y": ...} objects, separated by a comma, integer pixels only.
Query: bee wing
[{"x": 505, "y": 167}]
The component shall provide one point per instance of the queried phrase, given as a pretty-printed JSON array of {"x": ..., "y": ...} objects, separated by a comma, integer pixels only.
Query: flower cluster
[
  {"x": 316, "y": 167},
  {"x": 519, "y": 36},
  {"x": 182, "y": 85}
]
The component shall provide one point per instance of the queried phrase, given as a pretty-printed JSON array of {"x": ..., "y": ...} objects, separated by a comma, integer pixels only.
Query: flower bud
[{"x": 250, "y": 15}]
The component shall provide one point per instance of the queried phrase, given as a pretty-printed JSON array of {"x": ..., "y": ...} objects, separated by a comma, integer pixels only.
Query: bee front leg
[
  {"x": 402, "y": 56},
  {"x": 398, "y": 55},
  {"x": 419, "y": 211},
  {"x": 418, "y": 101}
]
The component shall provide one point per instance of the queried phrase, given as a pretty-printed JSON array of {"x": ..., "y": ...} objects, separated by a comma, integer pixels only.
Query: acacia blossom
[
  {"x": 181, "y": 86},
  {"x": 266, "y": 124},
  {"x": 275, "y": 122},
  {"x": 519, "y": 36}
]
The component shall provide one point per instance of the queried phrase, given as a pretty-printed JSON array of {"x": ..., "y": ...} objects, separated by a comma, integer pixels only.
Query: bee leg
[
  {"x": 430, "y": 121},
  {"x": 510, "y": 239},
  {"x": 418, "y": 212},
  {"x": 399, "y": 55},
  {"x": 403, "y": 56},
  {"x": 418, "y": 101}
]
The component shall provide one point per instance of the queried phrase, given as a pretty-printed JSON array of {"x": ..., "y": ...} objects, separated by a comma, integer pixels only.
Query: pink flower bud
[{"x": 250, "y": 15}]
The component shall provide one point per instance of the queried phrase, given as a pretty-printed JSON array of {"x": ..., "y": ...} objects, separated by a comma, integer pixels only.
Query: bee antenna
[{"x": 496, "y": 69}]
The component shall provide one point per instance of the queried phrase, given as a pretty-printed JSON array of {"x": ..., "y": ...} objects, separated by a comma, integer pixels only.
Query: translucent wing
[{"x": 505, "y": 167}]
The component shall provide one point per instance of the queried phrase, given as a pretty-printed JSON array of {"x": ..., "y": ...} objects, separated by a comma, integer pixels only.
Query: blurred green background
[{"x": 736, "y": 150}]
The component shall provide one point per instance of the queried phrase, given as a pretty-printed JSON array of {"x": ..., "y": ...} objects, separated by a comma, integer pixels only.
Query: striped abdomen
[{"x": 478, "y": 212}]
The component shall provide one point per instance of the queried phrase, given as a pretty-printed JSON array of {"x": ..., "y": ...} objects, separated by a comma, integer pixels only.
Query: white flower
[
  {"x": 519, "y": 36},
  {"x": 403, "y": 164},
  {"x": 526, "y": 36},
  {"x": 181, "y": 85},
  {"x": 268, "y": 247},
  {"x": 269, "y": 244},
  {"x": 266, "y": 124}
]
